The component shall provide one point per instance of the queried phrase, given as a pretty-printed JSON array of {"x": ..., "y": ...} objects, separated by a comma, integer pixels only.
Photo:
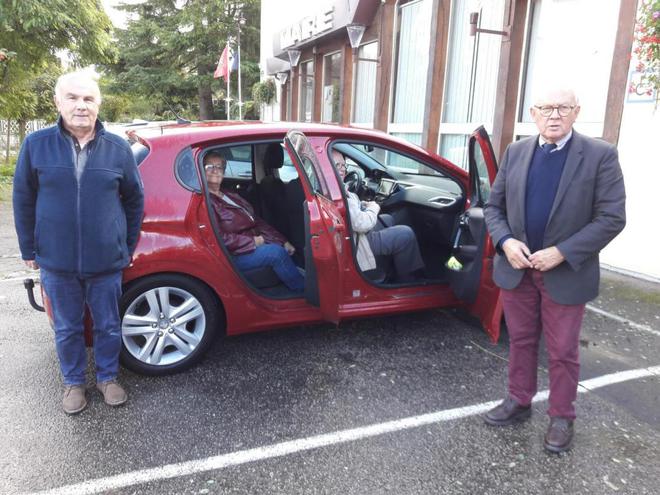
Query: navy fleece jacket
[{"x": 85, "y": 227}]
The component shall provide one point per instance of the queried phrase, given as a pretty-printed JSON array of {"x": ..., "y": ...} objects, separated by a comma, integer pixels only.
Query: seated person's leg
[
  {"x": 277, "y": 258},
  {"x": 399, "y": 242},
  {"x": 384, "y": 220}
]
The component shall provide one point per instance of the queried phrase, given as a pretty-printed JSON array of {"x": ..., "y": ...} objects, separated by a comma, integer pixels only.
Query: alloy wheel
[{"x": 163, "y": 326}]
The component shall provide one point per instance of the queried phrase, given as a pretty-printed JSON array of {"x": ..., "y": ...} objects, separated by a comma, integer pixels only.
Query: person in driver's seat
[
  {"x": 398, "y": 241},
  {"x": 251, "y": 242}
]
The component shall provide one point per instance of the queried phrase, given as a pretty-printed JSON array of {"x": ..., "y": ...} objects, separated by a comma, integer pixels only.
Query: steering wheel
[{"x": 353, "y": 182}]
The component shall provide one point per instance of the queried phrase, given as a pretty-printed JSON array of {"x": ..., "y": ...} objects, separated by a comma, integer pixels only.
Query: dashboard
[{"x": 440, "y": 193}]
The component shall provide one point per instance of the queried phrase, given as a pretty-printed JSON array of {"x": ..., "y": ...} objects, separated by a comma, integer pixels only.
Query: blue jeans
[
  {"x": 278, "y": 259},
  {"x": 68, "y": 295}
]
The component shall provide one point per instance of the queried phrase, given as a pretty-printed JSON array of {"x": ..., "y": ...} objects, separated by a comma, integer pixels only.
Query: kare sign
[{"x": 307, "y": 27}]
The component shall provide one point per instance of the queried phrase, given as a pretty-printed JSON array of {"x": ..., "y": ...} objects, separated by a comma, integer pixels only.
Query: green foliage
[
  {"x": 250, "y": 111},
  {"x": 264, "y": 92},
  {"x": 31, "y": 32},
  {"x": 169, "y": 50},
  {"x": 34, "y": 98},
  {"x": 7, "y": 168},
  {"x": 35, "y": 28},
  {"x": 6, "y": 177}
]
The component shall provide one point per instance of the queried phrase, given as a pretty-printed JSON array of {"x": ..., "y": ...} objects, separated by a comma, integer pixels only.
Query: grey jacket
[{"x": 587, "y": 213}]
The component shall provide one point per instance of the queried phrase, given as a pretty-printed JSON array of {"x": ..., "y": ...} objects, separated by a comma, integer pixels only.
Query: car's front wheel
[{"x": 167, "y": 324}]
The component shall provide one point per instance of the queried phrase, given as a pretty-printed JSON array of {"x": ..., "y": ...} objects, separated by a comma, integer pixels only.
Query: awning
[{"x": 275, "y": 65}]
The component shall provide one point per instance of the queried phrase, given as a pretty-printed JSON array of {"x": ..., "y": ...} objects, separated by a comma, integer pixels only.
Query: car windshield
[{"x": 396, "y": 164}]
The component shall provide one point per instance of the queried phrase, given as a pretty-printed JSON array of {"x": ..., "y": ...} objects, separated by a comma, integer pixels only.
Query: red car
[{"x": 182, "y": 290}]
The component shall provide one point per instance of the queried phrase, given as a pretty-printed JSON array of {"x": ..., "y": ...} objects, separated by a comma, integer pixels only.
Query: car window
[
  {"x": 482, "y": 183},
  {"x": 239, "y": 162},
  {"x": 303, "y": 149},
  {"x": 288, "y": 172},
  {"x": 395, "y": 161},
  {"x": 184, "y": 170},
  {"x": 382, "y": 160}
]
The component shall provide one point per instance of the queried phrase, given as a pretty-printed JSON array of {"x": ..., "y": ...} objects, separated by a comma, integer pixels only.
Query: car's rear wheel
[{"x": 167, "y": 324}]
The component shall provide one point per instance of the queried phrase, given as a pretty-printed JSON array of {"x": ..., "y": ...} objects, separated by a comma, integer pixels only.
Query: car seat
[
  {"x": 272, "y": 192},
  {"x": 294, "y": 205}
]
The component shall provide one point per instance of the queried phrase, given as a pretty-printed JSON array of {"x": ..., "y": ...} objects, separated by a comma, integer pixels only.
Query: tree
[
  {"x": 264, "y": 92},
  {"x": 33, "y": 31},
  {"x": 170, "y": 49}
]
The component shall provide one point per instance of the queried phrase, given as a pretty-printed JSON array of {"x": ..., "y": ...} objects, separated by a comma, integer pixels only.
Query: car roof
[
  {"x": 181, "y": 135},
  {"x": 202, "y": 131}
]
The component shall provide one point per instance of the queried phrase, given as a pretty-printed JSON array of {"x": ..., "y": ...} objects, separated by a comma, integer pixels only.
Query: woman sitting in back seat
[{"x": 251, "y": 241}]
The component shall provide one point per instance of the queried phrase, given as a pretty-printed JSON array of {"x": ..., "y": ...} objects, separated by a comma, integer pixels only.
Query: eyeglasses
[
  {"x": 562, "y": 110},
  {"x": 211, "y": 167},
  {"x": 341, "y": 165}
]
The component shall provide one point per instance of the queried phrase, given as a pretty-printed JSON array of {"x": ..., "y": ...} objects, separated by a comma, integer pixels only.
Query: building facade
[{"x": 430, "y": 71}]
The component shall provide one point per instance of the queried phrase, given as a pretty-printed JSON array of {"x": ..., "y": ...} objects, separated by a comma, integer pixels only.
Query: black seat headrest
[{"x": 274, "y": 156}]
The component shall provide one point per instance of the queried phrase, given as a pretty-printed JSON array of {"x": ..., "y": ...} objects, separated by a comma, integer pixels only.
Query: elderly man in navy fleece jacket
[
  {"x": 78, "y": 205},
  {"x": 558, "y": 199}
]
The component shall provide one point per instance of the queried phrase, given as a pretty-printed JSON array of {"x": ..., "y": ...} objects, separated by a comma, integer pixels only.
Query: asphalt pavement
[{"x": 324, "y": 409}]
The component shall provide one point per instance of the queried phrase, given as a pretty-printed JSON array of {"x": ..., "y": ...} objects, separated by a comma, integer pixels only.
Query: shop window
[
  {"x": 331, "y": 87},
  {"x": 365, "y": 85},
  {"x": 306, "y": 91},
  {"x": 289, "y": 90},
  {"x": 412, "y": 61},
  {"x": 581, "y": 58},
  {"x": 471, "y": 82}
]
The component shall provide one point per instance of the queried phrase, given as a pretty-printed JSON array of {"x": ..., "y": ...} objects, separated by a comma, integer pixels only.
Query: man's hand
[
  {"x": 546, "y": 259},
  {"x": 517, "y": 253},
  {"x": 32, "y": 264},
  {"x": 289, "y": 248},
  {"x": 259, "y": 240}
]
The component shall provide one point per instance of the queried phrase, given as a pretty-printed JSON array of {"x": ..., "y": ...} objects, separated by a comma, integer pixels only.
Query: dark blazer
[{"x": 587, "y": 213}]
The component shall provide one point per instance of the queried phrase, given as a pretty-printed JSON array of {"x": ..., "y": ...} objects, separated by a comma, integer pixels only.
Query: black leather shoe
[
  {"x": 509, "y": 412},
  {"x": 559, "y": 436}
]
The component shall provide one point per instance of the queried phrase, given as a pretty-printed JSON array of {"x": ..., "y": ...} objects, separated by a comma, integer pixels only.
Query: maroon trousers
[{"x": 530, "y": 312}]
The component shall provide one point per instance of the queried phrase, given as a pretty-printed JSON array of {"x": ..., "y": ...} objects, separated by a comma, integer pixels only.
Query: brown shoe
[
  {"x": 74, "y": 399},
  {"x": 559, "y": 436},
  {"x": 509, "y": 412},
  {"x": 113, "y": 393}
]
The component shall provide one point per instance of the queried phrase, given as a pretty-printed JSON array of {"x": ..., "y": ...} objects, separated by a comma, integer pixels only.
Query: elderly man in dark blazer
[{"x": 558, "y": 199}]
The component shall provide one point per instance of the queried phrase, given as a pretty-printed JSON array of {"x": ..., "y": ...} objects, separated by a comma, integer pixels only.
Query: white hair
[
  {"x": 554, "y": 87},
  {"x": 88, "y": 76}
]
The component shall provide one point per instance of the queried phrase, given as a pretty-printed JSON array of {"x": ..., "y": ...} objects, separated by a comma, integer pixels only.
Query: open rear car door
[
  {"x": 324, "y": 229},
  {"x": 472, "y": 278}
]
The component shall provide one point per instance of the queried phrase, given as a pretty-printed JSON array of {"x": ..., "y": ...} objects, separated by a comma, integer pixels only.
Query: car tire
[{"x": 168, "y": 322}]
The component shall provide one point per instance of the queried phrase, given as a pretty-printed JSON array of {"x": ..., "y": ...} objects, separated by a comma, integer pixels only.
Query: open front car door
[
  {"x": 324, "y": 229},
  {"x": 471, "y": 277}
]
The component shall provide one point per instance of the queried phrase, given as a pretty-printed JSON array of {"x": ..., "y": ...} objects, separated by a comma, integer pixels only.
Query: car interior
[{"x": 409, "y": 193}]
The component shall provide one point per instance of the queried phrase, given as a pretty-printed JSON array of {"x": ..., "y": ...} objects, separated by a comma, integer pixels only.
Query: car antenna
[{"x": 179, "y": 119}]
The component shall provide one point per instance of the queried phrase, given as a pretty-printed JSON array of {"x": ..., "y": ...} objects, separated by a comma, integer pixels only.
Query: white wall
[
  {"x": 275, "y": 16},
  {"x": 637, "y": 248}
]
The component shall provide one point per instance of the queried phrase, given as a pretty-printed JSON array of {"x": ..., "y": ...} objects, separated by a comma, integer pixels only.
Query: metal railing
[{"x": 10, "y": 134}]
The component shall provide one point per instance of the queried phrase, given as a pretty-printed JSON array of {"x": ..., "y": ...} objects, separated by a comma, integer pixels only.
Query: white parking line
[
  {"x": 620, "y": 319},
  {"x": 35, "y": 278},
  {"x": 293, "y": 446}
]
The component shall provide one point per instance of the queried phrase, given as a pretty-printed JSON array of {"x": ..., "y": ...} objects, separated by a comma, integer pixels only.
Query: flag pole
[
  {"x": 228, "y": 77},
  {"x": 240, "y": 100}
]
